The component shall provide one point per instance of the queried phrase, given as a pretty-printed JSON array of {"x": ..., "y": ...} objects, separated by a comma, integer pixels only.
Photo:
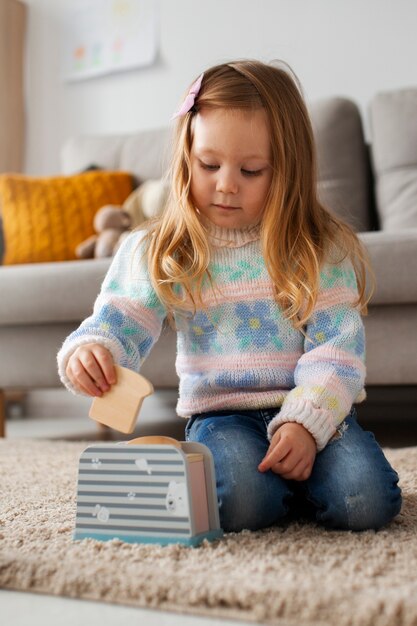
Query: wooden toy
[
  {"x": 119, "y": 407},
  {"x": 150, "y": 489}
]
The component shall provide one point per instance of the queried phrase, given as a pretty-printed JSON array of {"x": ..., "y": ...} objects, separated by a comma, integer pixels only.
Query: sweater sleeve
[
  {"x": 127, "y": 316},
  {"x": 330, "y": 374}
]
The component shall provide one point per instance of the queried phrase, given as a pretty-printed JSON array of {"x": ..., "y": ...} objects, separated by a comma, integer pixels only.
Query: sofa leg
[{"x": 2, "y": 413}]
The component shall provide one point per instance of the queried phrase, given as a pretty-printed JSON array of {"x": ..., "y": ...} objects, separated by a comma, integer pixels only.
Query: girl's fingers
[
  {"x": 91, "y": 390},
  {"x": 88, "y": 375},
  {"x": 105, "y": 361},
  {"x": 286, "y": 466},
  {"x": 277, "y": 455},
  {"x": 296, "y": 472},
  {"x": 81, "y": 379},
  {"x": 93, "y": 369},
  {"x": 306, "y": 473}
]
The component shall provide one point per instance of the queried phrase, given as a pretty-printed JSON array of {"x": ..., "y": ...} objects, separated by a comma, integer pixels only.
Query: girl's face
[{"x": 230, "y": 166}]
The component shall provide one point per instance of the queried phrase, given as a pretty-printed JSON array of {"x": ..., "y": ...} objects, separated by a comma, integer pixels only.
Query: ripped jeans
[{"x": 352, "y": 486}]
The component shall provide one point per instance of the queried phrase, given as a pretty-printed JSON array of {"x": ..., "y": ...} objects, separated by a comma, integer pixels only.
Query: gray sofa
[{"x": 374, "y": 189}]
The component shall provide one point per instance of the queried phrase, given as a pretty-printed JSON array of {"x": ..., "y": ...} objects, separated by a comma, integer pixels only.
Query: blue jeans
[{"x": 352, "y": 486}]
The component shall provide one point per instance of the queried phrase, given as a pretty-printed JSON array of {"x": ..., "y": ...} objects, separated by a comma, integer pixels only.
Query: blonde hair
[{"x": 297, "y": 232}]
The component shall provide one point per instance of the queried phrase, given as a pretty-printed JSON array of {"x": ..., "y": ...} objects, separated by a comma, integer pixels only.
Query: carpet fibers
[{"x": 298, "y": 574}]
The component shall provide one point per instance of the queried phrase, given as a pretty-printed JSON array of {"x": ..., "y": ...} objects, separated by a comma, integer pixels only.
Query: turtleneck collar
[{"x": 221, "y": 237}]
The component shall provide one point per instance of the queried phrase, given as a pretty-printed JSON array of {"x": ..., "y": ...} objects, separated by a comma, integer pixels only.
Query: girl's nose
[{"x": 226, "y": 182}]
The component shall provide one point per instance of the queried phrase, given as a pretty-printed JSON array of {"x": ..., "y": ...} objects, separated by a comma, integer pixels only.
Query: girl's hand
[
  {"x": 292, "y": 452},
  {"x": 91, "y": 369}
]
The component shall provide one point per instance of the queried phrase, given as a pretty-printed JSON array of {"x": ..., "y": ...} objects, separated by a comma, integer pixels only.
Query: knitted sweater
[{"x": 240, "y": 352}]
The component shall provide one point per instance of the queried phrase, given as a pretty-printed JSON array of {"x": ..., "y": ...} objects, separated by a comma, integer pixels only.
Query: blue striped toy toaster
[{"x": 147, "y": 492}]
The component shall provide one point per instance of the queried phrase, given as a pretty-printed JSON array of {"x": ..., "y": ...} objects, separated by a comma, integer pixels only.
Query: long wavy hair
[{"x": 298, "y": 233}]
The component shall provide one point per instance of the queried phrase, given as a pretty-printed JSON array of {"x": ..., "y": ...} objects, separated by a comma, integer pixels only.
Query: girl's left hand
[{"x": 292, "y": 452}]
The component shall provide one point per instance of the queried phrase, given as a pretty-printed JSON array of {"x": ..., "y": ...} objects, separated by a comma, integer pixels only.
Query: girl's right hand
[{"x": 91, "y": 369}]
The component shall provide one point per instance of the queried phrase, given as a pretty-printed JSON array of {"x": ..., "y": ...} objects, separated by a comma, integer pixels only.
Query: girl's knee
[
  {"x": 363, "y": 515},
  {"x": 361, "y": 510},
  {"x": 362, "y": 495}
]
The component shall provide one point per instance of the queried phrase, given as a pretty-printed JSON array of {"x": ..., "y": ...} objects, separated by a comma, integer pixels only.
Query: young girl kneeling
[{"x": 266, "y": 289}]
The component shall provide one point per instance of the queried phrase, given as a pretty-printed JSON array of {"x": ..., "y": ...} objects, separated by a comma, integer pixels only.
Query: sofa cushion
[
  {"x": 46, "y": 218},
  {"x": 56, "y": 292},
  {"x": 343, "y": 165},
  {"x": 393, "y": 117},
  {"x": 394, "y": 261},
  {"x": 145, "y": 154}
]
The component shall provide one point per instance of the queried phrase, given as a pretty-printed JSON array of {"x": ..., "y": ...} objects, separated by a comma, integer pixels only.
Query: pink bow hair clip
[{"x": 190, "y": 98}]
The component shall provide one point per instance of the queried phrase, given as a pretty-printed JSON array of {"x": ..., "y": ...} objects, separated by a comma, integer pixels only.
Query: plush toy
[{"x": 112, "y": 222}]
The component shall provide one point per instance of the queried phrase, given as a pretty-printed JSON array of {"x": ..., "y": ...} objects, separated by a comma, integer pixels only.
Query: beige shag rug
[{"x": 296, "y": 574}]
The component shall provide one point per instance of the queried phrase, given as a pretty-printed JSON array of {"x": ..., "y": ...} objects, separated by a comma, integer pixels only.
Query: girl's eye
[
  {"x": 252, "y": 172},
  {"x": 206, "y": 166},
  {"x": 213, "y": 168}
]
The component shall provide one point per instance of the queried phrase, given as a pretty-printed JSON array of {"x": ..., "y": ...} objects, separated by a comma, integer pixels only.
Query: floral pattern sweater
[{"x": 240, "y": 352}]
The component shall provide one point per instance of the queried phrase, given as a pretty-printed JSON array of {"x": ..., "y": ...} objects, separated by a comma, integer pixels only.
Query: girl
[{"x": 266, "y": 288}]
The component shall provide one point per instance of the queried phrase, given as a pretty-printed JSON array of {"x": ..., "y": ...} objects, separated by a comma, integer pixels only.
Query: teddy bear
[{"x": 113, "y": 223}]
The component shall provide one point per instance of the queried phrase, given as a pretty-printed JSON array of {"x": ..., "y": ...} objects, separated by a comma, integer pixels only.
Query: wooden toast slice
[{"x": 119, "y": 407}]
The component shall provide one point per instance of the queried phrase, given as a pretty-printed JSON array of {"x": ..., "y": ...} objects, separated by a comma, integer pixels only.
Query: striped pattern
[
  {"x": 189, "y": 364},
  {"x": 44, "y": 219},
  {"x": 129, "y": 491},
  {"x": 240, "y": 352}
]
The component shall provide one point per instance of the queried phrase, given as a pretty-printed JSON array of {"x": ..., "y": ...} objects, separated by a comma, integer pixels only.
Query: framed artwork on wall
[{"x": 104, "y": 36}]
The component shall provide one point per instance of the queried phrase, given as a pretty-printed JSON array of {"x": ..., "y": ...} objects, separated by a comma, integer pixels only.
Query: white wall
[{"x": 350, "y": 48}]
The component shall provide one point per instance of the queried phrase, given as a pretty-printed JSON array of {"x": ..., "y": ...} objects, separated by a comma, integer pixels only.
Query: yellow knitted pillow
[{"x": 44, "y": 219}]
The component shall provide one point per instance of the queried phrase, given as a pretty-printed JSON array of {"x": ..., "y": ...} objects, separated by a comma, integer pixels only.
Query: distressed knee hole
[
  {"x": 219, "y": 434},
  {"x": 360, "y": 514},
  {"x": 340, "y": 431}
]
